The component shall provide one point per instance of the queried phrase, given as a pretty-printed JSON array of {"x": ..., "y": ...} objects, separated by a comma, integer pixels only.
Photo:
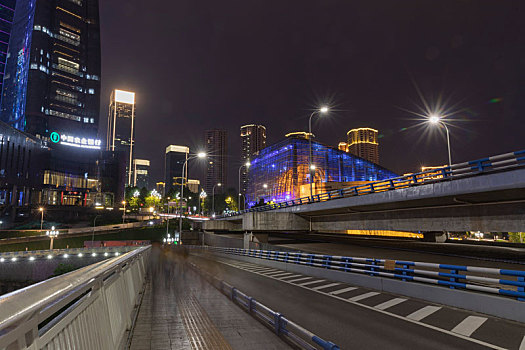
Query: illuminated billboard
[
  {"x": 124, "y": 96},
  {"x": 74, "y": 141}
]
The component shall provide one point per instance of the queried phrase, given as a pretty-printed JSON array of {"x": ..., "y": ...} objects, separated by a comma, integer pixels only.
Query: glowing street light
[
  {"x": 200, "y": 155},
  {"x": 213, "y": 198},
  {"x": 435, "y": 119},
  {"x": 320, "y": 111},
  {"x": 124, "y": 214},
  {"x": 247, "y": 166},
  {"x": 52, "y": 234},
  {"x": 41, "y": 218}
]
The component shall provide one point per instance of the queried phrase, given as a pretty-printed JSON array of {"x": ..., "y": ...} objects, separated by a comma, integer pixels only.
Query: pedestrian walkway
[{"x": 180, "y": 310}]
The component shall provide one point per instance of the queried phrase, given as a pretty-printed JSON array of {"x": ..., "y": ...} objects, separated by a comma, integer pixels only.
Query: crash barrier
[
  {"x": 509, "y": 283},
  {"x": 90, "y": 308},
  {"x": 277, "y": 322},
  {"x": 496, "y": 163}
]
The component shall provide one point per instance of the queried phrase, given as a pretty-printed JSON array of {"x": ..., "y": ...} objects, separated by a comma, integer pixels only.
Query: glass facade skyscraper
[
  {"x": 7, "y": 14},
  {"x": 52, "y": 78},
  {"x": 217, "y": 168},
  {"x": 283, "y": 168},
  {"x": 174, "y": 163},
  {"x": 253, "y": 140}
]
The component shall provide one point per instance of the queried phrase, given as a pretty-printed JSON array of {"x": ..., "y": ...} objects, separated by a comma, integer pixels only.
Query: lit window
[{"x": 91, "y": 91}]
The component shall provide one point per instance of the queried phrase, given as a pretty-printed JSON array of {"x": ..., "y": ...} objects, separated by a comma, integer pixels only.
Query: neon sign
[{"x": 75, "y": 141}]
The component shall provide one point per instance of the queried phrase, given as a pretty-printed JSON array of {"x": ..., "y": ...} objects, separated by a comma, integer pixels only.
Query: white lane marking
[
  {"x": 522, "y": 346},
  {"x": 420, "y": 314},
  {"x": 311, "y": 282},
  {"x": 363, "y": 296},
  {"x": 341, "y": 291},
  {"x": 280, "y": 274},
  {"x": 261, "y": 269},
  {"x": 390, "y": 303},
  {"x": 399, "y": 317},
  {"x": 291, "y": 276},
  {"x": 469, "y": 325},
  {"x": 298, "y": 279},
  {"x": 326, "y": 286}
]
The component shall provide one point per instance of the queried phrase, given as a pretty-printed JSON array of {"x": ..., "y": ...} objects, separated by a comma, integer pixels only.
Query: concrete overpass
[{"x": 488, "y": 200}]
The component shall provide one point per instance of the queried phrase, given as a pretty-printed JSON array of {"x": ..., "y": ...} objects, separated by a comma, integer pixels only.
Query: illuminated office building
[
  {"x": 141, "y": 173},
  {"x": 52, "y": 76},
  {"x": 343, "y": 146},
  {"x": 217, "y": 168},
  {"x": 174, "y": 163},
  {"x": 362, "y": 142},
  {"x": 194, "y": 185},
  {"x": 160, "y": 187},
  {"x": 7, "y": 14},
  {"x": 121, "y": 127},
  {"x": 283, "y": 168},
  {"x": 253, "y": 140}
]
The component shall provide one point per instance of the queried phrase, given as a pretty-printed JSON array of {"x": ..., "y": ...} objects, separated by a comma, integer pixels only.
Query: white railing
[{"x": 90, "y": 308}]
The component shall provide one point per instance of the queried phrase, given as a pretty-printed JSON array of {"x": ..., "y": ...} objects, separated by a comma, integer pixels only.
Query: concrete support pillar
[
  {"x": 435, "y": 236},
  {"x": 247, "y": 239}
]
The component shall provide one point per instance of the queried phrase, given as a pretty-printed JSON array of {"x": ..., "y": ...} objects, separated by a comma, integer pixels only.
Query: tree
[{"x": 517, "y": 237}]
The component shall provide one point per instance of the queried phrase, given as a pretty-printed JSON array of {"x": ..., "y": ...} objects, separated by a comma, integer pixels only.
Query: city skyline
[{"x": 219, "y": 69}]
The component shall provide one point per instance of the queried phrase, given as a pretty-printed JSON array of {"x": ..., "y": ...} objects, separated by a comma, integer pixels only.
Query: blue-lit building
[
  {"x": 7, "y": 14},
  {"x": 280, "y": 172},
  {"x": 51, "y": 79}
]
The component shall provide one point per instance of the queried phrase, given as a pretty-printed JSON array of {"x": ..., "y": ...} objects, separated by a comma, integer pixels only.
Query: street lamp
[
  {"x": 41, "y": 218},
  {"x": 265, "y": 186},
  {"x": 124, "y": 214},
  {"x": 247, "y": 165},
  {"x": 213, "y": 197},
  {"x": 93, "y": 233},
  {"x": 199, "y": 155},
  {"x": 311, "y": 167},
  {"x": 437, "y": 120},
  {"x": 52, "y": 234}
]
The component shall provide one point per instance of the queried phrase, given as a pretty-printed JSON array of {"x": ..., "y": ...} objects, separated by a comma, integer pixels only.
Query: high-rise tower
[
  {"x": 174, "y": 163},
  {"x": 253, "y": 140},
  {"x": 53, "y": 85},
  {"x": 121, "y": 127},
  {"x": 216, "y": 149},
  {"x": 362, "y": 142}
]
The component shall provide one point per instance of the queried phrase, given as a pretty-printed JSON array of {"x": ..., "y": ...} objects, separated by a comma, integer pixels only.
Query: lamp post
[
  {"x": 437, "y": 120},
  {"x": 41, "y": 219},
  {"x": 52, "y": 234},
  {"x": 247, "y": 165},
  {"x": 213, "y": 198},
  {"x": 93, "y": 233},
  {"x": 199, "y": 155},
  {"x": 311, "y": 167},
  {"x": 124, "y": 214}
]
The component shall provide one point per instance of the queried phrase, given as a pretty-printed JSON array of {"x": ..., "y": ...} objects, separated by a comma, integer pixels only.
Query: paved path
[{"x": 182, "y": 311}]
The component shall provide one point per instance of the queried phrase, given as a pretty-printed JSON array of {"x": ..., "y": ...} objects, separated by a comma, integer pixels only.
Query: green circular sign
[{"x": 54, "y": 137}]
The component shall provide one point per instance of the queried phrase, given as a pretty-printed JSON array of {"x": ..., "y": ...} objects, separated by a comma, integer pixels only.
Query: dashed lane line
[
  {"x": 326, "y": 286},
  {"x": 363, "y": 296},
  {"x": 469, "y": 325},
  {"x": 385, "y": 312},
  {"x": 311, "y": 282},
  {"x": 298, "y": 279},
  {"x": 420, "y": 314},
  {"x": 344, "y": 290},
  {"x": 390, "y": 303}
]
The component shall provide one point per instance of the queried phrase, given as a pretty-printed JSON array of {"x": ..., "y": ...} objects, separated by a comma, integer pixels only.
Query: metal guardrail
[
  {"x": 503, "y": 282},
  {"x": 89, "y": 308},
  {"x": 475, "y": 167},
  {"x": 280, "y": 324}
]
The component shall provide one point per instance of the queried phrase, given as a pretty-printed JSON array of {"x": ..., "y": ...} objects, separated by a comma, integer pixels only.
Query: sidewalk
[{"x": 180, "y": 310}]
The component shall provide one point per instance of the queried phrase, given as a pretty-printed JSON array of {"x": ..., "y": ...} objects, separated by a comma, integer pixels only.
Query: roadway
[{"x": 357, "y": 317}]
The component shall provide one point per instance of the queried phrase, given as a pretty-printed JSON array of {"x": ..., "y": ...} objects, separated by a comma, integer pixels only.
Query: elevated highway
[{"x": 486, "y": 195}]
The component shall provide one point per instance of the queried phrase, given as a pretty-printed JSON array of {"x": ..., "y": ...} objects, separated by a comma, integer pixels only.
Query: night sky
[{"x": 198, "y": 64}]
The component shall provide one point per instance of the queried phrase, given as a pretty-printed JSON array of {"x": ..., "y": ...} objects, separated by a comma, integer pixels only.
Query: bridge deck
[{"x": 182, "y": 311}]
